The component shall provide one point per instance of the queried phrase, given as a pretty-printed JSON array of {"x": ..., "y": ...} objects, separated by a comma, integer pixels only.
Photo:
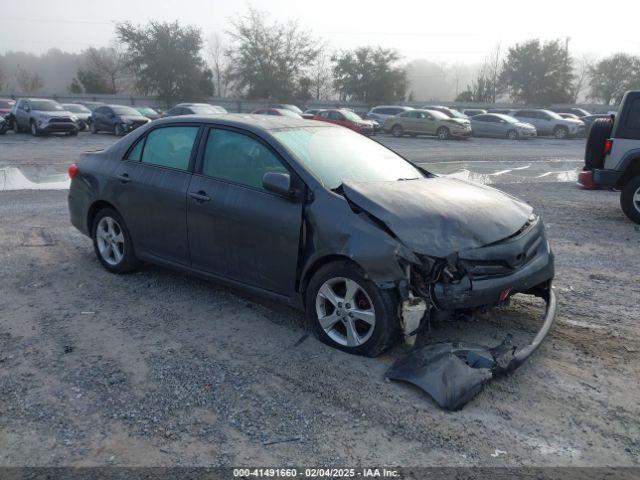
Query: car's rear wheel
[
  {"x": 443, "y": 133},
  {"x": 630, "y": 199},
  {"x": 512, "y": 135},
  {"x": 112, "y": 242},
  {"x": 397, "y": 131},
  {"x": 349, "y": 312},
  {"x": 560, "y": 132}
]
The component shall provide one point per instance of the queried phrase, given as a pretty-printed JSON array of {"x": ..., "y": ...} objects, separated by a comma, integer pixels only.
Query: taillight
[
  {"x": 608, "y": 145},
  {"x": 72, "y": 170}
]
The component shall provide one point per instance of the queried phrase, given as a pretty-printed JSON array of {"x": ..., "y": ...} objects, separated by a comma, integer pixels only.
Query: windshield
[
  {"x": 7, "y": 104},
  {"x": 202, "y": 109},
  {"x": 552, "y": 114},
  {"x": 335, "y": 155},
  {"x": 349, "y": 115},
  {"x": 288, "y": 113},
  {"x": 120, "y": 110},
  {"x": 456, "y": 113},
  {"x": 146, "y": 111},
  {"x": 438, "y": 115},
  {"x": 74, "y": 108},
  {"x": 46, "y": 106},
  {"x": 293, "y": 108}
]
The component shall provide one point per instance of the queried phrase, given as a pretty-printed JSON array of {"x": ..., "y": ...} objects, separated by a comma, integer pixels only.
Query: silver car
[
  {"x": 501, "y": 126},
  {"x": 382, "y": 112},
  {"x": 550, "y": 123},
  {"x": 41, "y": 116}
]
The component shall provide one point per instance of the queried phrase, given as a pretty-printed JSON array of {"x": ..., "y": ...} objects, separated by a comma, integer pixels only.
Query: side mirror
[{"x": 279, "y": 183}]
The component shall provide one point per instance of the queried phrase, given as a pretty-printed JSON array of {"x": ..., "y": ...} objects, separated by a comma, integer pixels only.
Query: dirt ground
[{"x": 158, "y": 368}]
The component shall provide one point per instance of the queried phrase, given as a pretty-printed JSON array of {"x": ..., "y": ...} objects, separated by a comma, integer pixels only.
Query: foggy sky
[{"x": 444, "y": 32}]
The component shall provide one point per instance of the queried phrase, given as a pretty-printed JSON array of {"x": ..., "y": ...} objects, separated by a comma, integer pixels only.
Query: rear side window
[
  {"x": 169, "y": 147},
  {"x": 238, "y": 158},
  {"x": 630, "y": 121}
]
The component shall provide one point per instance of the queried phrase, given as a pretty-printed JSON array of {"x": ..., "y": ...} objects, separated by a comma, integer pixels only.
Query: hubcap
[
  {"x": 561, "y": 133},
  {"x": 110, "y": 240},
  {"x": 636, "y": 200},
  {"x": 345, "y": 312},
  {"x": 442, "y": 134}
]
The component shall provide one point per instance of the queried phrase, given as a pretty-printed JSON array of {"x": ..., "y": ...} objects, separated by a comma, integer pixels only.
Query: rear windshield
[
  {"x": 120, "y": 110},
  {"x": 335, "y": 155}
]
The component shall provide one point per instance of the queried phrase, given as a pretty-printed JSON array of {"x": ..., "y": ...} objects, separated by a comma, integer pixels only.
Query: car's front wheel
[
  {"x": 630, "y": 199},
  {"x": 561, "y": 132},
  {"x": 512, "y": 135},
  {"x": 443, "y": 133},
  {"x": 349, "y": 312},
  {"x": 93, "y": 128},
  {"x": 112, "y": 242},
  {"x": 118, "y": 130},
  {"x": 34, "y": 129}
]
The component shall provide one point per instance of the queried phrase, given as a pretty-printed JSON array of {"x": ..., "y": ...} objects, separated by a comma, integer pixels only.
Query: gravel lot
[{"x": 159, "y": 368}]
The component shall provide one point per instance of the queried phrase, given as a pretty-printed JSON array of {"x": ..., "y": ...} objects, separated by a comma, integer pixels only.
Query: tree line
[{"x": 264, "y": 59}]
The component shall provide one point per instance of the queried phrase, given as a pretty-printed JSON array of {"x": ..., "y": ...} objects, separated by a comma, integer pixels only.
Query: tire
[
  {"x": 561, "y": 133},
  {"x": 82, "y": 126},
  {"x": 118, "y": 131},
  {"x": 93, "y": 128},
  {"x": 34, "y": 129},
  {"x": 397, "y": 130},
  {"x": 443, "y": 133},
  {"x": 3, "y": 129},
  {"x": 513, "y": 135},
  {"x": 112, "y": 242},
  {"x": 630, "y": 199},
  {"x": 594, "y": 151},
  {"x": 347, "y": 325}
]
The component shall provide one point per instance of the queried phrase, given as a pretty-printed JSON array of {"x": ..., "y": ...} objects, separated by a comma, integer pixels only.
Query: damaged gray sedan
[{"x": 369, "y": 245}]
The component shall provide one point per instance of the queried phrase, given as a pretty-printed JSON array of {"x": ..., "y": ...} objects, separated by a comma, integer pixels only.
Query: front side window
[
  {"x": 238, "y": 158},
  {"x": 169, "y": 147}
]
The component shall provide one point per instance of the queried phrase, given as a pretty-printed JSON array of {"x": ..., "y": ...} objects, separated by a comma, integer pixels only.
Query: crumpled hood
[{"x": 439, "y": 216}]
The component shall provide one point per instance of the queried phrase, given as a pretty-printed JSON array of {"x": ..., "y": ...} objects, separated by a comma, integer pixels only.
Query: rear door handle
[
  {"x": 200, "y": 196},
  {"x": 124, "y": 178}
]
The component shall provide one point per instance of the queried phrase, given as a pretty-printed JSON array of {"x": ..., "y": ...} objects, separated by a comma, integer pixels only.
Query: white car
[{"x": 550, "y": 123}]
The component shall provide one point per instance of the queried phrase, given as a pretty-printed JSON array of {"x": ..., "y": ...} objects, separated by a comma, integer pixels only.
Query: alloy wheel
[
  {"x": 636, "y": 200},
  {"x": 110, "y": 239},
  {"x": 345, "y": 312},
  {"x": 443, "y": 133}
]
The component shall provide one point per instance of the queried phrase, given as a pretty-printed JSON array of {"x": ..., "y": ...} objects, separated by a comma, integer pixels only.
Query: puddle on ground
[
  {"x": 54, "y": 177},
  {"x": 489, "y": 172},
  {"x": 49, "y": 177}
]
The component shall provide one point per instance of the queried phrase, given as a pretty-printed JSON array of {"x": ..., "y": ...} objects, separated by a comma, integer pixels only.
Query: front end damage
[{"x": 479, "y": 278}]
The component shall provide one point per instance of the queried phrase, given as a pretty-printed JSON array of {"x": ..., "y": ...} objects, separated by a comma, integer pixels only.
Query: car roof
[{"x": 247, "y": 121}]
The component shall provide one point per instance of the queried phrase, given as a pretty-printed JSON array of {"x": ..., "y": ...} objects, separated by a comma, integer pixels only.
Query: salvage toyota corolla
[{"x": 368, "y": 244}]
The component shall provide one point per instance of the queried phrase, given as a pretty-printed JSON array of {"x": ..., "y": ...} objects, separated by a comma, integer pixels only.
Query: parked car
[
  {"x": 41, "y": 116},
  {"x": 589, "y": 119},
  {"x": 81, "y": 112},
  {"x": 501, "y": 126},
  {"x": 276, "y": 112},
  {"x": 346, "y": 118},
  {"x": 194, "y": 109},
  {"x": 449, "y": 112},
  {"x": 470, "y": 112},
  {"x": 90, "y": 105},
  {"x": 6, "y": 104},
  {"x": 116, "y": 119},
  {"x": 382, "y": 112},
  {"x": 427, "y": 122},
  {"x": 292, "y": 108},
  {"x": 550, "y": 123},
  {"x": 503, "y": 111},
  {"x": 312, "y": 214},
  {"x": 4, "y": 125},
  {"x": 612, "y": 155},
  {"x": 313, "y": 111},
  {"x": 150, "y": 113},
  {"x": 578, "y": 112}
]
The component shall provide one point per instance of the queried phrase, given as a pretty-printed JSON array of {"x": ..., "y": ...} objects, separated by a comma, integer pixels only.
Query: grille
[{"x": 61, "y": 120}]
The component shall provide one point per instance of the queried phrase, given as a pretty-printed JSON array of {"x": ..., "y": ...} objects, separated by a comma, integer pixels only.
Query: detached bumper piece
[{"x": 454, "y": 373}]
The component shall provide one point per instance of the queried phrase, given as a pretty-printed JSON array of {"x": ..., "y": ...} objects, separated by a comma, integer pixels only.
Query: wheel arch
[
  {"x": 317, "y": 264},
  {"x": 93, "y": 211},
  {"x": 632, "y": 170}
]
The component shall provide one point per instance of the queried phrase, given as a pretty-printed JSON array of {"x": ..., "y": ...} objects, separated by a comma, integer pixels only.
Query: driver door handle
[{"x": 200, "y": 196}]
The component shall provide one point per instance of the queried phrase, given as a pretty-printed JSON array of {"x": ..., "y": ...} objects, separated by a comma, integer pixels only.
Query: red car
[
  {"x": 280, "y": 112},
  {"x": 5, "y": 107},
  {"x": 346, "y": 118}
]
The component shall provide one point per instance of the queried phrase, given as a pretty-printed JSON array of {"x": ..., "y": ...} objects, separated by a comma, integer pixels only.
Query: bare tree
[
  {"x": 108, "y": 63},
  {"x": 492, "y": 69},
  {"x": 321, "y": 77},
  {"x": 28, "y": 82},
  {"x": 582, "y": 67},
  {"x": 217, "y": 55}
]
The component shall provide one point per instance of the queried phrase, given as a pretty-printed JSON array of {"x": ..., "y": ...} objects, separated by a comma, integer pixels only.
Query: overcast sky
[{"x": 450, "y": 31}]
